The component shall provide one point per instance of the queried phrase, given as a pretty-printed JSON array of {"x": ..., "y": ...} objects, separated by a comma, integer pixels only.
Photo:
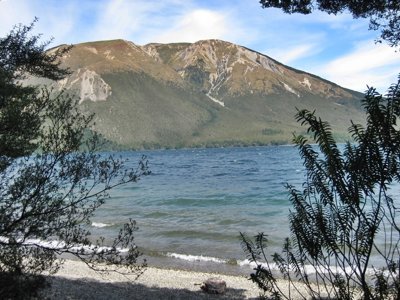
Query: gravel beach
[{"x": 76, "y": 281}]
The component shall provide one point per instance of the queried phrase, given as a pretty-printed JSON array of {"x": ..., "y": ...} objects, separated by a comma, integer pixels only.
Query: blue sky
[{"x": 337, "y": 48}]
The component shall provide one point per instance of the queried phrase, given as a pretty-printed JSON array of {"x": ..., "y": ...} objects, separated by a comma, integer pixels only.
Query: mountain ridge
[{"x": 207, "y": 93}]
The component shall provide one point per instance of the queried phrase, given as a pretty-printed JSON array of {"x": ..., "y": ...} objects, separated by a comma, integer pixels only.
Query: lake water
[{"x": 192, "y": 207}]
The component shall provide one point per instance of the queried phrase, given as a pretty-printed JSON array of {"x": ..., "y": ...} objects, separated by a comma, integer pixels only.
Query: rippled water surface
[
  {"x": 196, "y": 201},
  {"x": 193, "y": 206}
]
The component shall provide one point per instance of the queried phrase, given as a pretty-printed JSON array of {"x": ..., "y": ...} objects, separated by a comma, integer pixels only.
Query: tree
[
  {"x": 52, "y": 179},
  {"x": 384, "y": 14},
  {"x": 20, "y": 106},
  {"x": 346, "y": 212}
]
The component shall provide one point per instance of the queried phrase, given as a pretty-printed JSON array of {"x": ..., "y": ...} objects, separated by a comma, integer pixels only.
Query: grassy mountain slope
[{"x": 209, "y": 93}]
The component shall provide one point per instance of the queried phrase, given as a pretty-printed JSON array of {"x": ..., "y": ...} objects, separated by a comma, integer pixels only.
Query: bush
[{"x": 344, "y": 212}]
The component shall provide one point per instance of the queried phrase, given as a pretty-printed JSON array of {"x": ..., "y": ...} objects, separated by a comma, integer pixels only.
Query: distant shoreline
[
  {"x": 121, "y": 148},
  {"x": 127, "y": 149}
]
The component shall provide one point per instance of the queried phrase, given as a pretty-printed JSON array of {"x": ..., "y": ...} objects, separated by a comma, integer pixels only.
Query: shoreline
[
  {"x": 75, "y": 280},
  {"x": 200, "y": 263}
]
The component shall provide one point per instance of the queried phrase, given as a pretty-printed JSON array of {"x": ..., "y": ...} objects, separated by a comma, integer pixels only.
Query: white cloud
[
  {"x": 196, "y": 25},
  {"x": 12, "y": 13},
  {"x": 119, "y": 19},
  {"x": 310, "y": 43},
  {"x": 288, "y": 56},
  {"x": 57, "y": 22},
  {"x": 54, "y": 20},
  {"x": 368, "y": 64},
  {"x": 144, "y": 21}
]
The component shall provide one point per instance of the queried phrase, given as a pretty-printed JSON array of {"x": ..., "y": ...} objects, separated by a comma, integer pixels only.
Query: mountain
[{"x": 208, "y": 93}]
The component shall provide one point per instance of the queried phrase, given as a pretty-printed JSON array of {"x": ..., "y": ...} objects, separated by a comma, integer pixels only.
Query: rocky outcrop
[
  {"x": 221, "y": 70},
  {"x": 88, "y": 83}
]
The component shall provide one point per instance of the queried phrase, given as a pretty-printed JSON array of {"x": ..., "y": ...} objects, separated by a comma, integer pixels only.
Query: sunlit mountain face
[{"x": 203, "y": 94}]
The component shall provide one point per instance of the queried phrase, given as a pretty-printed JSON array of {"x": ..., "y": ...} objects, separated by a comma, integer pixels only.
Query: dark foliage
[
  {"x": 52, "y": 180},
  {"x": 384, "y": 15},
  {"x": 21, "y": 55},
  {"x": 346, "y": 213}
]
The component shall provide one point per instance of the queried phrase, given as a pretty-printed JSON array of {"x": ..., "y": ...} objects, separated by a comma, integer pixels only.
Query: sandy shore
[{"x": 76, "y": 281}]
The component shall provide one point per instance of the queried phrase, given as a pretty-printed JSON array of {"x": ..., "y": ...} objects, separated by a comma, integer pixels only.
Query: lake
[{"x": 192, "y": 207}]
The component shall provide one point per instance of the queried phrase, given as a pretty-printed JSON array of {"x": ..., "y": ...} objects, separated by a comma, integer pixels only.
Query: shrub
[{"x": 345, "y": 214}]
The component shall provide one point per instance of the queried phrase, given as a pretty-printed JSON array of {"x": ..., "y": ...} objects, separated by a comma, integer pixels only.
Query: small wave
[
  {"x": 251, "y": 171},
  {"x": 230, "y": 221},
  {"x": 252, "y": 264},
  {"x": 221, "y": 174},
  {"x": 245, "y": 162},
  {"x": 197, "y": 258},
  {"x": 61, "y": 245},
  {"x": 156, "y": 214},
  {"x": 310, "y": 269},
  {"x": 101, "y": 225}
]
